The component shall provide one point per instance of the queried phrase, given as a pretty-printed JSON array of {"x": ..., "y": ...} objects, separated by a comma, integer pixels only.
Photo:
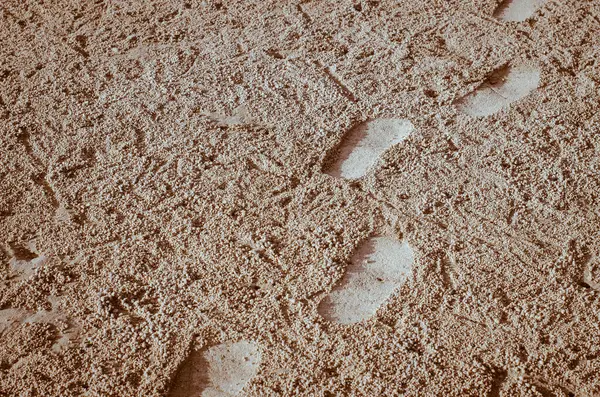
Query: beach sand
[{"x": 299, "y": 198}]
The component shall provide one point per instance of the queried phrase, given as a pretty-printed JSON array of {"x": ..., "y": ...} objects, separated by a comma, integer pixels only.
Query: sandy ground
[{"x": 299, "y": 198}]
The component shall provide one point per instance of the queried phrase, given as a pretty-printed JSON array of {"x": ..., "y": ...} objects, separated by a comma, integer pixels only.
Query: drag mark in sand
[
  {"x": 364, "y": 144},
  {"x": 517, "y": 10},
  {"x": 220, "y": 371},
  {"x": 378, "y": 267},
  {"x": 505, "y": 86}
]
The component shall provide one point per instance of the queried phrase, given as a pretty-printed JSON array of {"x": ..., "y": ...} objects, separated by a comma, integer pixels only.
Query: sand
[
  {"x": 200, "y": 197},
  {"x": 361, "y": 148},
  {"x": 517, "y": 10},
  {"x": 222, "y": 370},
  {"x": 379, "y": 266},
  {"x": 503, "y": 87}
]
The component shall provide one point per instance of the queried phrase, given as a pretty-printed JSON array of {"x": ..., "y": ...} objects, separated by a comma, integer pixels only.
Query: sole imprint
[
  {"x": 378, "y": 267},
  {"x": 11, "y": 317},
  {"x": 67, "y": 332},
  {"x": 591, "y": 274},
  {"x": 363, "y": 145},
  {"x": 23, "y": 269},
  {"x": 219, "y": 371},
  {"x": 517, "y": 10},
  {"x": 502, "y": 88}
]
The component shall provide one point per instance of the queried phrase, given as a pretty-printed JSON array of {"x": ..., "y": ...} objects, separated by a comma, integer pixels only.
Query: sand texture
[{"x": 299, "y": 198}]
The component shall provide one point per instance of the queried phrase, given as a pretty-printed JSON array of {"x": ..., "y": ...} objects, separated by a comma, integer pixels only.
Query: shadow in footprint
[
  {"x": 378, "y": 267},
  {"x": 517, "y": 10},
  {"x": 503, "y": 87},
  {"x": 364, "y": 144},
  {"x": 221, "y": 370}
]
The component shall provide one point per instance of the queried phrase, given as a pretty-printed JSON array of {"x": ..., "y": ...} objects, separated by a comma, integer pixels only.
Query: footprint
[
  {"x": 591, "y": 274},
  {"x": 240, "y": 115},
  {"x": 378, "y": 267},
  {"x": 23, "y": 269},
  {"x": 68, "y": 332},
  {"x": 504, "y": 86},
  {"x": 517, "y": 10},
  {"x": 25, "y": 260},
  {"x": 364, "y": 144},
  {"x": 220, "y": 371},
  {"x": 11, "y": 317}
]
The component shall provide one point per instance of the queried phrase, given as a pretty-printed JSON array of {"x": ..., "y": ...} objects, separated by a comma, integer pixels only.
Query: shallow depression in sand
[
  {"x": 9, "y": 317},
  {"x": 68, "y": 332},
  {"x": 502, "y": 88},
  {"x": 378, "y": 267},
  {"x": 363, "y": 145},
  {"x": 517, "y": 10},
  {"x": 219, "y": 371},
  {"x": 25, "y": 268}
]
